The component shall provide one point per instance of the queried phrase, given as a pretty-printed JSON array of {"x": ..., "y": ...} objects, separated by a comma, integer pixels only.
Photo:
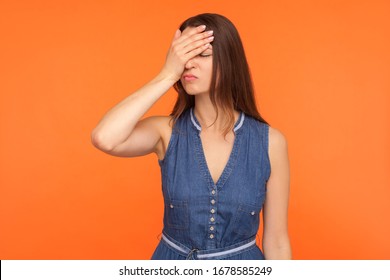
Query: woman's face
[{"x": 196, "y": 77}]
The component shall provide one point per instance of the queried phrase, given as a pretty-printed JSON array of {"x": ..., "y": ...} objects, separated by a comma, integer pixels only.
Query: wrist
[{"x": 168, "y": 77}]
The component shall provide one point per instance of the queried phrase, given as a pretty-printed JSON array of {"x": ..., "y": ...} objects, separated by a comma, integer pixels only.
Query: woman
[{"x": 221, "y": 163}]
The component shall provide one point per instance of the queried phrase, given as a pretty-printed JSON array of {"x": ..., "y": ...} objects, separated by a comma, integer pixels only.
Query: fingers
[
  {"x": 186, "y": 45},
  {"x": 191, "y": 34},
  {"x": 196, "y": 51},
  {"x": 202, "y": 36},
  {"x": 189, "y": 31},
  {"x": 198, "y": 41},
  {"x": 192, "y": 38}
]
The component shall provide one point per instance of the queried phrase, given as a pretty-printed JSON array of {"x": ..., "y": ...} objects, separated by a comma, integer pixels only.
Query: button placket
[{"x": 213, "y": 211}]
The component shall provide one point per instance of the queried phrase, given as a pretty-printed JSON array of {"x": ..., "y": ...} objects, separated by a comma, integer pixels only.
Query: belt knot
[{"x": 190, "y": 255}]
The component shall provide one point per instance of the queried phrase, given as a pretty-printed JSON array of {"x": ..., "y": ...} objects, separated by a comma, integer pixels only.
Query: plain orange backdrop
[{"x": 321, "y": 71}]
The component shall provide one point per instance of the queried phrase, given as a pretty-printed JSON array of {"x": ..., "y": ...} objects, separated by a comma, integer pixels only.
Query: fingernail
[
  {"x": 210, "y": 32},
  {"x": 210, "y": 38},
  {"x": 202, "y": 27}
]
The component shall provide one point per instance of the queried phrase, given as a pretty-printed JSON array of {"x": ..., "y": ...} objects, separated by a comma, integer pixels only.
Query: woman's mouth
[{"x": 189, "y": 77}]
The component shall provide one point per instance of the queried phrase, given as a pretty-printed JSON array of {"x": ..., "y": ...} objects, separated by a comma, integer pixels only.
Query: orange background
[{"x": 321, "y": 73}]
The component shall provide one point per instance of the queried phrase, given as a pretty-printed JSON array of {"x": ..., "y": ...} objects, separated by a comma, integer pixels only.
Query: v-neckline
[{"x": 232, "y": 156}]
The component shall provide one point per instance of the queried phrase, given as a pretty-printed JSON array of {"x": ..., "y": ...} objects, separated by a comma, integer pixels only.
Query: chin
[{"x": 193, "y": 91}]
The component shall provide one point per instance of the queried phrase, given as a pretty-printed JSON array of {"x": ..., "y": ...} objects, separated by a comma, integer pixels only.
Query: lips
[{"x": 189, "y": 77}]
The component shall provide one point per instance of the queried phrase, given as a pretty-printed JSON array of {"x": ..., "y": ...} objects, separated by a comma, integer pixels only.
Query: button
[
  {"x": 211, "y": 228},
  {"x": 212, "y": 219},
  {"x": 211, "y": 236},
  {"x": 213, "y": 192},
  {"x": 171, "y": 205},
  {"x": 212, "y": 211},
  {"x": 212, "y": 201},
  {"x": 252, "y": 213}
]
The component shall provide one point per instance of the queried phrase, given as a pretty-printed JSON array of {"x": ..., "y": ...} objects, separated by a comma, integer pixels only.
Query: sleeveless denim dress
[{"x": 203, "y": 220}]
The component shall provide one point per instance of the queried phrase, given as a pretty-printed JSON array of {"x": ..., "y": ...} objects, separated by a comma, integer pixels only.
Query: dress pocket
[
  {"x": 176, "y": 214},
  {"x": 247, "y": 219}
]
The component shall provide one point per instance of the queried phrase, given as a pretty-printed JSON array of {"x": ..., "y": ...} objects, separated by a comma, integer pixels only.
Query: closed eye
[{"x": 205, "y": 54}]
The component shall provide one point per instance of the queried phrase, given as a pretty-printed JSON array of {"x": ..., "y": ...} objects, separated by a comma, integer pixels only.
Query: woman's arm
[
  {"x": 119, "y": 125},
  {"x": 118, "y": 133},
  {"x": 276, "y": 243}
]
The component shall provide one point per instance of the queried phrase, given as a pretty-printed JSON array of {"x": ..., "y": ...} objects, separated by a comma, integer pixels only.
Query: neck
[{"x": 206, "y": 115}]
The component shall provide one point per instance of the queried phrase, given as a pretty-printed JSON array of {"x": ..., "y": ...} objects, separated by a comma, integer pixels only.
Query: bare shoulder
[
  {"x": 162, "y": 124},
  {"x": 277, "y": 140},
  {"x": 277, "y": 145}
]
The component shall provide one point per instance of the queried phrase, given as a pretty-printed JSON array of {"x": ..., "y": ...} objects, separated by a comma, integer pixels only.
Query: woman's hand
[
  {"x": 185, "y": 45},
  {"x": 120, "y": 132}
]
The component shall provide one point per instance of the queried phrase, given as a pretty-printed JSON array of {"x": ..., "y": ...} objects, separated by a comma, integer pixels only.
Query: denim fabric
[{"x": 201, "y": 215}]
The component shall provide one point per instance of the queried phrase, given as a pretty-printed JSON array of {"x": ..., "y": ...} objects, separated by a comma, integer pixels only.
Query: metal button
[
  {"x": 212, "y": 201},
  {"x": 213, "y": 192},
  {"x": 171, "y": 205},
  {"x": 211, "y": 228},
  {"x": 253, "y": 212},
  {"x": 211, "y": 236},
  {"x": 212, "y": 211},
  {"x": 212, "y": 219}
]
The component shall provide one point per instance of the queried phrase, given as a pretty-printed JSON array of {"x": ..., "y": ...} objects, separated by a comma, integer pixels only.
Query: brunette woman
[{"x": 221, "y": 163}]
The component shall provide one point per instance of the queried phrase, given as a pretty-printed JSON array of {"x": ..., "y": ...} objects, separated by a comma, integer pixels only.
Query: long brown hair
[{"x": 234, "y": 89}]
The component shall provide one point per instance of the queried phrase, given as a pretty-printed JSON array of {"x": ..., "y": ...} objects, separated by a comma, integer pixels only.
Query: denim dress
[{"x": 204, "y": 220}]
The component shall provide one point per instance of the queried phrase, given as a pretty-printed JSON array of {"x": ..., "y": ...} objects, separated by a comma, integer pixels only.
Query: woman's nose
[{"x": 190, "y": 64}]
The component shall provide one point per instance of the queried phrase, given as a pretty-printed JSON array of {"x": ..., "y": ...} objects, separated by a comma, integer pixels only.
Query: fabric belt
[{"x": 208, "y": 254}]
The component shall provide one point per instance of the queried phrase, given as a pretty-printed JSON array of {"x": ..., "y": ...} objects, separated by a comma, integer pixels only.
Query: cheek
[{"x": 209, "y": 71}]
